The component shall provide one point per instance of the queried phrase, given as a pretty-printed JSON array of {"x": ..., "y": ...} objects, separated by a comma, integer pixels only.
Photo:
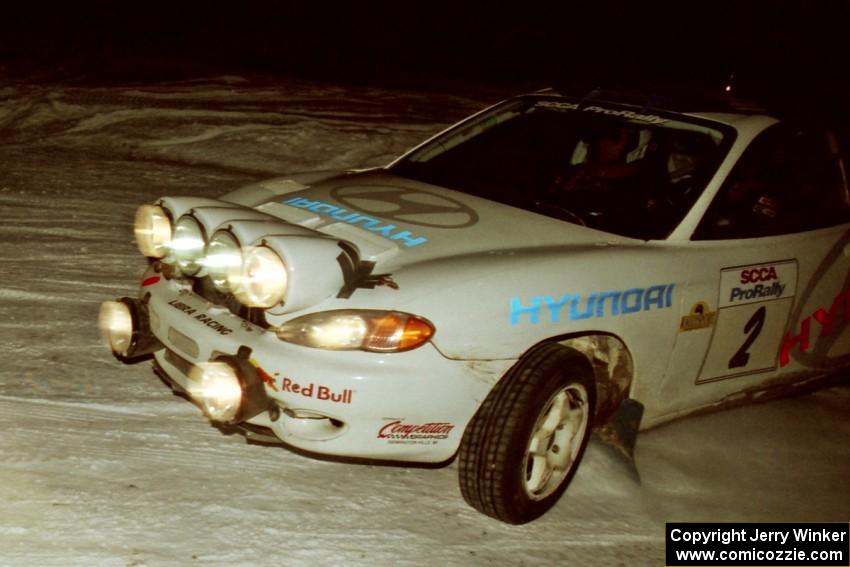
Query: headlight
[
  {"x": 188, "y": 245},
  {"x": 350, "y": 329},
  {"x": 262, "y": 280},
  {"x": 216, "y": 387},
  {"x": 224, "y": 260},
  {"x": 153, "y": 231}
]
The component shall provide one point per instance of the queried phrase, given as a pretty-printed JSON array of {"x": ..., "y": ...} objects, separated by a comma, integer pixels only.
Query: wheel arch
[{"x": 612, "y": 364}]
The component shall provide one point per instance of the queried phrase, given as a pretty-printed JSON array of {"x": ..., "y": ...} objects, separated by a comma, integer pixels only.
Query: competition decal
[
  {"x": 399, "y": 431},
  {"x": 387, "y": 230},
  {"x": 573, "y": 306}
]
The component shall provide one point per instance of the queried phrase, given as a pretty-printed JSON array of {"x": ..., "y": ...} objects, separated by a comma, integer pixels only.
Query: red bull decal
[{"x": 317, "y": 391}]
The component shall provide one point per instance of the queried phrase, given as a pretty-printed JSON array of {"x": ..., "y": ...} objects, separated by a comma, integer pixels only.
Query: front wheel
[{"x": 524, "y": 444}]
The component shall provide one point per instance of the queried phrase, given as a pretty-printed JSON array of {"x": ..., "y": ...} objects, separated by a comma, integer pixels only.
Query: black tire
[{"x": 497, "y": 475}]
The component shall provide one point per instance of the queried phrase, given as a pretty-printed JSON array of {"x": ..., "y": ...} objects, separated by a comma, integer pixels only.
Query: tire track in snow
[
  {"x": 24, "y": 295},
  {"x": 35, "y": 115},
  {"x": 97, "y": 433}
]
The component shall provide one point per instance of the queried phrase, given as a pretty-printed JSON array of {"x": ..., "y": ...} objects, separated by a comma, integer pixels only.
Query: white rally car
[{"x": 505, "y": 287}]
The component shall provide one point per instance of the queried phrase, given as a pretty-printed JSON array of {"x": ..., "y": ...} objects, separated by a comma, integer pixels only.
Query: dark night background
[{"x": 779, "y": 47}]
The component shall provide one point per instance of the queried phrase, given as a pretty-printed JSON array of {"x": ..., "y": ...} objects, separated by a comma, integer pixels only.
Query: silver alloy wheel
[{"x": 555, "y": 441}]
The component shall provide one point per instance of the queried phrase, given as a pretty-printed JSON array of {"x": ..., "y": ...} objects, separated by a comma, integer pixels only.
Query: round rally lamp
[
  {"x": 125, "y": 326},
  {"x": 224, "y": 260},
  {"x": 188, "y": 245},
  {"x": 116, "y": 326},
  {"x": 216, "y": 387},
  {"x": 262, "y": 280},
  {"x": 152, "y": 228},
  {"x": 229, "y": 389}
]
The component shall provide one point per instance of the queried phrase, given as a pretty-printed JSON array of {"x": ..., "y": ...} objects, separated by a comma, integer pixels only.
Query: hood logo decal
[{"x": 406, "y": 206}]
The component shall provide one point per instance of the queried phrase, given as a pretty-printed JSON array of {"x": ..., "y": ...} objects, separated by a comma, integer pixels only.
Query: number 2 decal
[{"x": 753, "y": 327}]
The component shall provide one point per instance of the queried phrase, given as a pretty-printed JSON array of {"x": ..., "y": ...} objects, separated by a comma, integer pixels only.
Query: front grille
[
  {"x": 178, "y": 362},
  {"x": 183, "y": 343},
  {"x": 205, "y": 288}
]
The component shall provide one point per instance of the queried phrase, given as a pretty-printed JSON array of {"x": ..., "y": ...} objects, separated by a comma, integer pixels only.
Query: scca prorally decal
[
  {"x": 760, "y": 282},
  {"x": 597, "y": 304},
  {"x": 389, "y": 231},
  {"x": 648, "y": 118}
]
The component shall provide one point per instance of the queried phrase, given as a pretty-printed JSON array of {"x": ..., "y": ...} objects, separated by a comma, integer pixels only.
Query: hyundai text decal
[
  {"x": 821, "y": 354},
  {"x": 573, "y": 306},
  {"x": 759, "y": 282},
  {"x": 389, "y": 231},
  {"x": 831, "y": 321}
]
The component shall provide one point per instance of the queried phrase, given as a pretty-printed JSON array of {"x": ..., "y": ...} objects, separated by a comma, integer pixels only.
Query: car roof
[{"x": 680, "y": 100}]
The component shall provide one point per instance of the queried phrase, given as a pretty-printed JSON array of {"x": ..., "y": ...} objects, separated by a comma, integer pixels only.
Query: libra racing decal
[
  {"x": 573, "y": 306},
  {"x": 216, "y": 326},
  {"x": 388, "y": 231}
]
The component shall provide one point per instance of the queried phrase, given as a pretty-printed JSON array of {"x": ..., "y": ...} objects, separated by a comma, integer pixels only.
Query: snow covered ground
[{"x": 101, "y": 465}]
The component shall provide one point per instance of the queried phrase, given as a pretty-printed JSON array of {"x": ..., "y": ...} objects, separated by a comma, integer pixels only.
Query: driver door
[{"x": 767, "y": 290}]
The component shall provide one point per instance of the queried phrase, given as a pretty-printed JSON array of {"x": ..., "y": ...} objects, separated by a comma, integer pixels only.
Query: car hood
[{"x": 396, "y": 221}]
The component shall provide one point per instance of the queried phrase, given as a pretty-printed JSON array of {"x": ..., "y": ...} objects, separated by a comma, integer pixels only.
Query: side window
[{"x": 787, "y": 181}]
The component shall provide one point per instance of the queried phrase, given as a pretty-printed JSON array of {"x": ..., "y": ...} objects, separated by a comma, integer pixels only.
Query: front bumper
[{"x": 410, "y": 406}]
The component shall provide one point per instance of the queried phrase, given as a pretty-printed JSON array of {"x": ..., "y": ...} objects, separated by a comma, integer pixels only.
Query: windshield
[{"x": 607, "y": 167}]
